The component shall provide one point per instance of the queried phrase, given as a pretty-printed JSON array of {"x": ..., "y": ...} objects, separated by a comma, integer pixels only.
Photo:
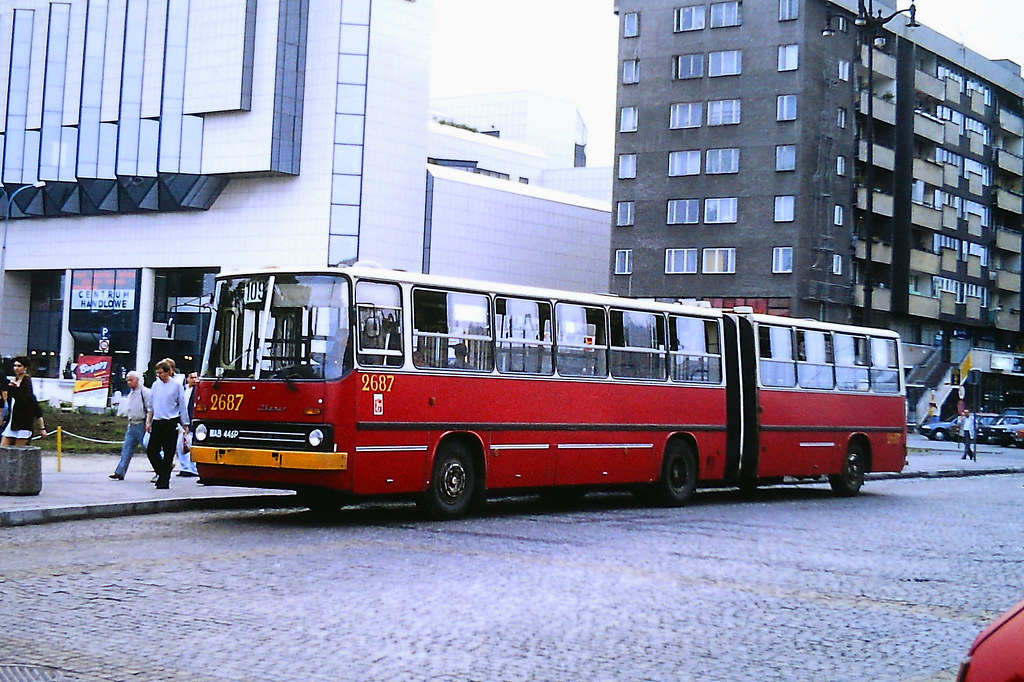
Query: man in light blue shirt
[{"x": 168, "y": 411}]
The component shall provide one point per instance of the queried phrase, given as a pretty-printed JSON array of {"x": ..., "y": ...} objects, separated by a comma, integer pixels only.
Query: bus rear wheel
[
  {"x": 452, "y": 485},
  {"x": 849, "y": 481},
  {"x": 678, "y": 476}
]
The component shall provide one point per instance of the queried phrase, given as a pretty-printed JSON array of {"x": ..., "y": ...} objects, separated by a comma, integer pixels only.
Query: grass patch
[{"x": 102, "y": 427}]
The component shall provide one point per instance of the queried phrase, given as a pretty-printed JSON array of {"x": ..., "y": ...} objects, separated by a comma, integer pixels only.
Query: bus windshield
[{"x": 281, "y": 326}]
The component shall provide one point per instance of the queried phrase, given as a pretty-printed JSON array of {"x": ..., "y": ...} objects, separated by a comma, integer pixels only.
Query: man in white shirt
[
  {"x": 168, "y": 411},
  {"x": 138, "y": 405}
]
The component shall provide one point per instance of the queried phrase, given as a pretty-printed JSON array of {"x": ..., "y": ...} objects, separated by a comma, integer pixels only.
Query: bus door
[{"x": 742, "y": 421}]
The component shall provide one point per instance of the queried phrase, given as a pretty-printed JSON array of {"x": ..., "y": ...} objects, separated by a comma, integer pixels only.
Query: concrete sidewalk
[{"x": 81, "y": 488}]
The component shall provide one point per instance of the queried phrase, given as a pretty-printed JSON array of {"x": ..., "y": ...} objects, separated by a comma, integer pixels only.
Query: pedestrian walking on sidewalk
[
  {"x": 137, "y": 406},
  {"x": 169, "y": 410},
  {"x": 184, "y": 446},
  {"x": 968, "y": 431},
  {"x": 25, "y": 412}
]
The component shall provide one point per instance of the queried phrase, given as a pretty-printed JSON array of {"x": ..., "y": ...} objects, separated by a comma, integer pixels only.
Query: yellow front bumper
[{"x": 275, "y": 459}]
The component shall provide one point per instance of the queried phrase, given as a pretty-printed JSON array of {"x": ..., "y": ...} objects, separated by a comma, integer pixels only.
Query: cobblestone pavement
[{"x": 787, "y": 584}]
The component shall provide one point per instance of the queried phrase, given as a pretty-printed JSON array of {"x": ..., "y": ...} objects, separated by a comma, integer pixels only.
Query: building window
[
  {"x": 627, "y": 120},
  {"x": 624, "y": 262},
  {"x": 725, "y": 63},
  {"x": 723, "y": 112},
  {"x": 844, "y": 70},
  {"x": 680, "y": 261},
  {"x": 789, "y": 57},
  {"x": 684, "y": 163},
  {"x": 842, "y": 25},
  {"x": 624, "y": 213},
  {"x": 785, "y": 157},
  {"x": 689, "y": 19},
  {"x": 841, "y": 166},
  {"x": 837, "y": 264},
  {"x": 631, "y": 71},
  {"x": 630, "y": 25},
  {"x": 689, "y": 66},
  {"x": 683, "y": 212},
  {"x": 726, "y": 14},
  {"x": 785, "y": 108},
  {"x": 627, "y": 166},
  {"x": 841, "y": 117},
  {"x": 784, "y": 209},
  {"x": 721, "y": 161},
  {"x": 782, "y": 259},
  {"x": 720, "y": 210},
  {"x": 789, "y": 10},
  {"x": 685, "y": 115},
  {"x": 719, "y": 261},
  {"x": 837, "y": 215}
]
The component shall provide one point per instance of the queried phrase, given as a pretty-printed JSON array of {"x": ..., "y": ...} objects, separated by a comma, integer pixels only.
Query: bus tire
[
  {"x": 452, "y": 485},
  {"x": 678, "y": 475},
  {"x": 849, "y": 482}
]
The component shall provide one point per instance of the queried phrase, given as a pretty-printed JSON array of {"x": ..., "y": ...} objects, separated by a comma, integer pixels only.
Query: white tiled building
[{"x": 180, "y": 138}]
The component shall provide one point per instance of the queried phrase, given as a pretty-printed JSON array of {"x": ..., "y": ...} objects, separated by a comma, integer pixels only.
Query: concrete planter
[{"x": 21, "y": 470}]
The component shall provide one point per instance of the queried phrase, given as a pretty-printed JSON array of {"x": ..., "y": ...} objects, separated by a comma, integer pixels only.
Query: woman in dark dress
[{"x": 24, "y": 407}]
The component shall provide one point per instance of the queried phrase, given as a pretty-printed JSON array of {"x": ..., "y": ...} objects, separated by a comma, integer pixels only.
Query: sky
[{"x": 568, "y": 49}]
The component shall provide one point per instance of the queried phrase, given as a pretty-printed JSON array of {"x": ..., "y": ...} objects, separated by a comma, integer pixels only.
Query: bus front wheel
[
  {"x": 450, "y": 493},
  {"x": 849, "y": 482},
  {"x": 678, "y": 475}
]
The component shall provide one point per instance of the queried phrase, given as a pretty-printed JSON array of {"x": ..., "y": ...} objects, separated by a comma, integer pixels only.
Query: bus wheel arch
[
  {"x": 457, "y": 480},
  {"x": 856, "y": 462},
  {"x": 679, "y": 471}
]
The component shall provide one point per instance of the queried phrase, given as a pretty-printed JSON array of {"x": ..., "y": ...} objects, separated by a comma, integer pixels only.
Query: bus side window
[
  {"x": 851, "y": 362},
  {"x": 523, "y": 336},
  {"x": 452, "y": 330},
  {"x": 582, "y": 341},
  {"x": 694, "y": 353},
  {"x": 379, "y": 319},
  {"x": 637, "y": 345},
  {"x": 884, "y": 366},
  {"x": 776, "y": 353},
  {"x": 815, "y": 359}
]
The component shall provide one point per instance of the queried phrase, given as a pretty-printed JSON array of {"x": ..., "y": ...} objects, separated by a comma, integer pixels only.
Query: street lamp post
[
  {"x": 869, "y": 26},
  {"x": 7, "y": 224}
]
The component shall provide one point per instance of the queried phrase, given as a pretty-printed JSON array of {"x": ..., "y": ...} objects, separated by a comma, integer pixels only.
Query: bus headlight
[
  {"x": 316, "y": 437},
  {"x": 201, "y": 433}
]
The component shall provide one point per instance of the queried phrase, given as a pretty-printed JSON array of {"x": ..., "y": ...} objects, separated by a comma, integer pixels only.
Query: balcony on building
[
  {"x": 974, "y": 226},
  {"x": 883, "y": 202},
  {"x": 881, "y": 299},
  {"x": 1008, "y": 320},
  {"x": 950, "y": 217},
  {"x": 885, "y": 65},
  {"x": 977, "y": 102},
  {"x": 953, "y": 90},
  {"x": 885, "y": 109},
  {"x": 923, "y": 306},
  {"x": 926, "y": 216},
  {"x": 953, "y": 133},
  {"x": 1010, "y": 162},
  {"x": 1008, "y": 281},
  {"x": 947, "y": 303},
  {"x": 929, "y": 85},
  {"x": 929, "y": 127},
  {"x": 1007, "y": 200},
  {"x": 948, "y": 260},
  {"x": 973, "y": 308},
  {"x": 973, "y": 266},
  {"x": 1008, "y": 240},
  {"x": 884, "y": 157},
  {"x": 1011, "y": 123},
  {"x": 880, "y": 253},
  {"x": 977, "y": 141},
  {"x": 928, "y": 171},
  {"x": 924, "y": 261}
]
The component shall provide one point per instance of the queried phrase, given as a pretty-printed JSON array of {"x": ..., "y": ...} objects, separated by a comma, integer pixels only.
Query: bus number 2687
[{"x": 378, "y": 383}]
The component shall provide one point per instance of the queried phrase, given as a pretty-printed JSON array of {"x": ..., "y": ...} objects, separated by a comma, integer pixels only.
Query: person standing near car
[{"x": 968, "y": 432}]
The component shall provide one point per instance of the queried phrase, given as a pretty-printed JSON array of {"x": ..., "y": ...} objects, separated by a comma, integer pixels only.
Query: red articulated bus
[{"x": 355, "y": 382}]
